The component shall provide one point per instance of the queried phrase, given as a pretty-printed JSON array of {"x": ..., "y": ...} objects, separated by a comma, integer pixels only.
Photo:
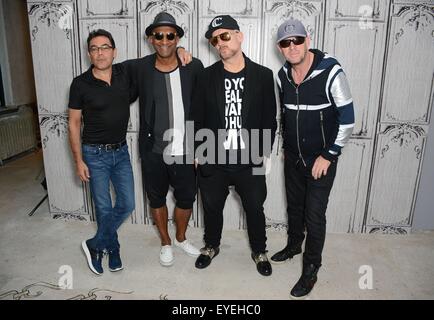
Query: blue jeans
[{"x": 105, "y": 166}]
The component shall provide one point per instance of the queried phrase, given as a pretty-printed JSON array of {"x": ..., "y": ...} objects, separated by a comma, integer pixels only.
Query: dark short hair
[{"x": 99, "y": 33}]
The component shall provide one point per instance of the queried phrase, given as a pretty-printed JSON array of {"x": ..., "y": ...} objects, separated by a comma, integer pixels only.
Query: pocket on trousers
[{"x": 90, "y": 151}]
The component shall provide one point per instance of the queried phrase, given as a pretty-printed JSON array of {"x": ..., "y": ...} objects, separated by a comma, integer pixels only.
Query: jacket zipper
[
  {"x": 298, "y": 112},
  {"x": 322, "y": 129},
  {"x": 298, "y": 135}
]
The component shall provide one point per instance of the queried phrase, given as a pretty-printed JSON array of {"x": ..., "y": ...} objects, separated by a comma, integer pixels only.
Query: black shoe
[
  {"x": 287, "y": 253},
  {"x": 94, "y": 258},
  {"x": 207, "y": 253},
  {"x": 262, "y": 264},
  {"x": 306, "y": 282},
  {"x": 114, "y": 260}
]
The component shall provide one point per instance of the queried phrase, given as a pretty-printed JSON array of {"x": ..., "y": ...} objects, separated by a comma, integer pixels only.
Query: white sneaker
[
  {"x": 166, "y": 256},
  {"x": 188, "y": 248}
]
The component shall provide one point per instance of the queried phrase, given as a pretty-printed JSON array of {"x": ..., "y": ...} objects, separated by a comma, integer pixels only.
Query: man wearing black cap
[
  {"x": 318, "y": 118},
  {"x": 165, "y": 88},
  {"x": 234, "y": 96}
]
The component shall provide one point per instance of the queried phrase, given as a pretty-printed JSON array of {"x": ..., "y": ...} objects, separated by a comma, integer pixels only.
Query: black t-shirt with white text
[{"x": 234, "y": 143}]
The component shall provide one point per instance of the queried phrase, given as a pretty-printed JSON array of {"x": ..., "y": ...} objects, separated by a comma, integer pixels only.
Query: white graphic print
[
  {"x": 215, "y": 23},
  {"x": 233, "y": 97}
]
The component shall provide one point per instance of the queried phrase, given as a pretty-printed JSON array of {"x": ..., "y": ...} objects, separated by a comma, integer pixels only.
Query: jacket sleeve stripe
[
  {"x": 340, "y": 90},
  {"x": 344, "y": 135},
  {"x": 336, "y": 68},
  {"x": 306, "y": 107},
  {"x": 279, "y": 83}
]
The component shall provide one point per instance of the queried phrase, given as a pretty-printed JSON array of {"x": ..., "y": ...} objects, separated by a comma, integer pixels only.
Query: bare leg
[
  {"x": 160, "y": 216},
  {"x": 182, "y": 216}
]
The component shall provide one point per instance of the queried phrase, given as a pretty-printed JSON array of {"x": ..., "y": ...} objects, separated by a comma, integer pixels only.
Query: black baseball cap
[{"x": 221, "y": 22}]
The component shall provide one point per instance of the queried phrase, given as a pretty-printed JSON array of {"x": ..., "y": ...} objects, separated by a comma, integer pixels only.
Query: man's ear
[
  {"x": 279, "y": 48},
  {"x": 115, "y": 53},
  {"x": 241, "y": 35}
]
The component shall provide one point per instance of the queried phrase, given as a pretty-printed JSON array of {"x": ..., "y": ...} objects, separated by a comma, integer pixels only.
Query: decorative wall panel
[
  {"x": 54, "y": 47},
  {"x": 95, "y": 9},
  {"x": 408, "y": 85},
  {"x": 67, "y": 194},
  {"x": 385, "y": 48},
  {"x": 362, "y": 59},
  {"x": 374, "y": 10},
  {"x": 346, "y": 209},
  {"x": 395, "y": 179}
]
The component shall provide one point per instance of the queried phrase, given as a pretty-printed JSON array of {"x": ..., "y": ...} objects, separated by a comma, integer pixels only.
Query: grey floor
[{"x": 39, "y": 255}]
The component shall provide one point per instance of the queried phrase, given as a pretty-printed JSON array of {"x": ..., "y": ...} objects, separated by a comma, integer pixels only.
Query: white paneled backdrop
[{"x": 385, "y": 46}]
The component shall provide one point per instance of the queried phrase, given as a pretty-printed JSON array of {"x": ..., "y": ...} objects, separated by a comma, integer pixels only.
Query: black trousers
[
  {"x": 252, "y": 190},
  {"x": 307, "y": 201}
]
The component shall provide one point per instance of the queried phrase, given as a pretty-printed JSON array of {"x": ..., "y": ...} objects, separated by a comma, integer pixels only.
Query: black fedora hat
[{"x": 164, "y": 19}]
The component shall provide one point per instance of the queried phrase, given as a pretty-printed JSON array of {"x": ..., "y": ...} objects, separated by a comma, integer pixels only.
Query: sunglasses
[
  {"x": 287, "y": 42},
  {"x": 225, "y": 36},
  {"x": 104, "y": 48},
  {"x": 160, "y": 35}
]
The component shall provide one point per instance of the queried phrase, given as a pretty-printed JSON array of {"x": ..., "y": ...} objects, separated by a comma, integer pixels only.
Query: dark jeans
[
  {"x": 252, "y": 190},
  {"x": 105, "y": 166},
  {"x": 307, "y": 200}
]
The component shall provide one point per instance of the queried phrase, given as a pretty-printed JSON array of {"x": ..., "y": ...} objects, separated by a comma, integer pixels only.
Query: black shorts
[{"x": 157, "y": 176}]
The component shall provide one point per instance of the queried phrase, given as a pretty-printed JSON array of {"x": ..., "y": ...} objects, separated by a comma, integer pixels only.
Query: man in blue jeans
[{"x": 101, "y": 96}]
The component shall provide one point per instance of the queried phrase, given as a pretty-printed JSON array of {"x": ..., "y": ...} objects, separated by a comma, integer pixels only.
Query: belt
[{"x": 108, "y": 146}]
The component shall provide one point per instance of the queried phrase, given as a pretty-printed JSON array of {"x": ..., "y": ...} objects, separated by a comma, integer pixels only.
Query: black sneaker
[
  {"x": 285, "y": 254},
  {"x": 207, "y": 253},
  {"x": 94, "y": 258},
  {"x": 306, "y": 282},
  {"x": 262, "y": 264},
  {"x": 114, "y": 260}
]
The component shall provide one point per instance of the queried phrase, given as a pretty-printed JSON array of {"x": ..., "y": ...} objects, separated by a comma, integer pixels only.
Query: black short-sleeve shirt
[{"x": 105, "y": 108}]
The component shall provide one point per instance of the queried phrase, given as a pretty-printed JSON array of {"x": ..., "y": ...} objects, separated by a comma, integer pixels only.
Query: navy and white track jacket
[{"x": 317, "y": 116}]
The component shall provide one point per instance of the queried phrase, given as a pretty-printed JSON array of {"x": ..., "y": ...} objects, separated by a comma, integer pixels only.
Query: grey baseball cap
[{"x": 291, "y": 28}]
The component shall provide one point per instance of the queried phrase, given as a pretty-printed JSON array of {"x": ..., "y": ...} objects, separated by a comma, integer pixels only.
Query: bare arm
[{"x": 74, "y": 125}]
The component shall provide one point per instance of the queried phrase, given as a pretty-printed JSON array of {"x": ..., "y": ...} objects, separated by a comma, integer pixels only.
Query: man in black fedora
[
  {"x": 165, "y": 87},
  {"x": 235, "y": 97}
]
